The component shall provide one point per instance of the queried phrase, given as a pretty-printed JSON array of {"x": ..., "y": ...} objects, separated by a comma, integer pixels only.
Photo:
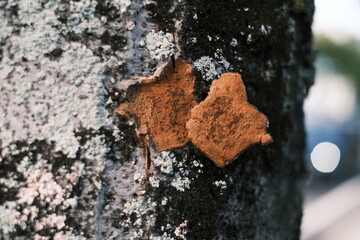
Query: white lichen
[
  {"x": 121, "y": 5},
  {"x": 164, "y": 201},
  {"x": 50, "y": 96},
  {"x": 51, "y": 221},
  {"x": 138, "y": 177},
  {"x": 61, "y": 106},
  {"x": 65, "y": 235},
  {"x": 197, "y": 164},
  {"x": 135, "y": 214},
  {"x": 41, "y": 185},
  {"x": 181, "y": 183},
  {"x": 160, "y": 45},
  {"x": 154, "y": 181},
  {"x": 233, "y": 42},
  {"x": 8, "y": 216},
  {"x": 265, "y": 29},
  {"x": 165, "y": 161},
  {"x": 221, "y": 59},
  {"x": 181, "y": 230},
  {"x": 165, "y": 236},
  {"x": 249, "y": 38},
  {"x": 5, "y": 29},
  {"x": 42, "y": 192},
  {"x": 221, "y": 184},
  {"x": 82, "y": 17},
  {"x": 206, "y": 67},
  {"x": 211, "y": 68},
  {"x": 40, "y": 35},
  {"x": 50, "y": 102},
  {"x": 95, "y": 150}
]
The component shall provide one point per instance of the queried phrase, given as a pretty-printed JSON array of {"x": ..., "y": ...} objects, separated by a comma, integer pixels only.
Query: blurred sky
[
  {"x": 328, "y": 109},
  {"x": 337, "y": 19},
  {"x": 332, "y": 99}
]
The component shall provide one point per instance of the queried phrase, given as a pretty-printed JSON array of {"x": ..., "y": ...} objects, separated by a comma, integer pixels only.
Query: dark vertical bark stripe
[{"x": 264, "y": 199}]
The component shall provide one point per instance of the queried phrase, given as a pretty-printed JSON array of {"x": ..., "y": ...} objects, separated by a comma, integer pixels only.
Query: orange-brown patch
[
  {"x": 225, "y": 124},
  {"x": 161, "y": 105}
]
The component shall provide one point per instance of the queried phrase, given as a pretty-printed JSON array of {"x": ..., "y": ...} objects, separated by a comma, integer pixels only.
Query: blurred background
[{"x": 332, "y": 113}]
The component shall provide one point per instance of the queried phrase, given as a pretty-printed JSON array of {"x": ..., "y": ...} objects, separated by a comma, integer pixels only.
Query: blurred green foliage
[{"x": 345, "y": 57}]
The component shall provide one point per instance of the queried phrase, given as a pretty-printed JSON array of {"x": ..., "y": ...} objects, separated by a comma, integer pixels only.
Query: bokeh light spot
[{"x": 325, "y": 157}]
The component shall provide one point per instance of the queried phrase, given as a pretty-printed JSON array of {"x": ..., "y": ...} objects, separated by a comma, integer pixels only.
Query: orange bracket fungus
[
  {"x": 225, "y": 124},
  {"x": 221, "y": 126},
  {"x": 161, "y": 105}
]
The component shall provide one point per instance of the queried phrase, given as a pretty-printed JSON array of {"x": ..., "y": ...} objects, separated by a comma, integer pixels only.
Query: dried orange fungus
[
  {"x": 222, "y": 126},
  {"x": 161, "y": 105},
  {"x": 225, "y": 124}
]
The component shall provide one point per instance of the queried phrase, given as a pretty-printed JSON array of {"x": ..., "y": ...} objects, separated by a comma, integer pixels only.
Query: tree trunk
[{"x": 73, "y": 168}]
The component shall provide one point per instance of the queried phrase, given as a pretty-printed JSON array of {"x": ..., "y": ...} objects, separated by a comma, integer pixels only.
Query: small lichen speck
[
  {"x": 122, "y": 5},
  {"x": 207, "y": 68},
  {"x": 221, "y": 184},
  {"x": 233, "y": 42},
  {"x": 164, "y": 201},
  {"x": 181, "y": 230},
  {"x": 221, "y": 59},
  {"x": 165, "y": 161},
  {"x": 181, "y": 183},
  {"x": 154, "y": 182}
]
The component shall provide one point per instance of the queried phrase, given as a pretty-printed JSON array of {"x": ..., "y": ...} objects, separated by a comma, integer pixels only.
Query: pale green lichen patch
[
  {"x": 207, "y": 68},
  {"x": 137, "y": 217},
  {"x": 165, "y": 236},
  {"x": 60, "y": 104},
  {"x": 8, "y": 216},
  {"x": 81, "y": 17},
  {"x": 221, "y": 184},
  {"x": 181, "y": 230},
  {"x": 181, "y": 183},
  {"x": 50, "y": 102},
  {"x": 121, "y": 5},
  {"x": 5, "y": 28},
  {"x": 166, "y": 162},
  {"x": 39, "y": 34},
  {"x": 43, "y": 201},
  {"x": 53, "y": 102}
]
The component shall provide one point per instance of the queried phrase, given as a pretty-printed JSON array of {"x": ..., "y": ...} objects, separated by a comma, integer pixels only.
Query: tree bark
[{"x": 73, "y": 168}]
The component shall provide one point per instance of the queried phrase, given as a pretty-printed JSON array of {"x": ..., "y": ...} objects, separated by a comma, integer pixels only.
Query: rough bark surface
[{"x": 72, "y": 168}]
